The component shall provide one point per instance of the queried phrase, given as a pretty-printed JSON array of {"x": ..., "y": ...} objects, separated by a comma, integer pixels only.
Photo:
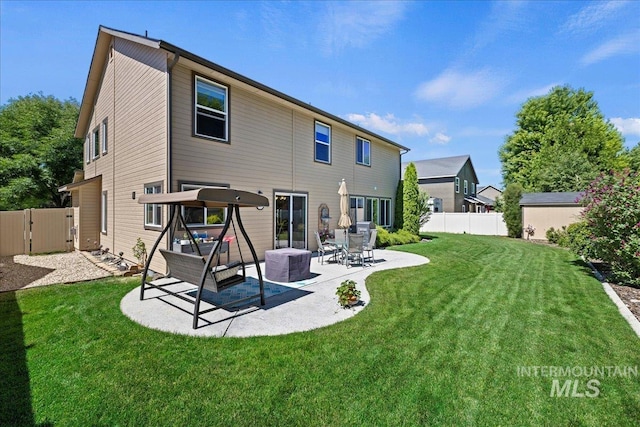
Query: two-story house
[
  {"x": 451, "y": 179},
  {"x": 156, "y": 118}
]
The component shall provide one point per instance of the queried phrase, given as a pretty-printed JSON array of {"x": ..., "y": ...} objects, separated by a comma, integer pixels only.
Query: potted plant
[
  {"x": 140, "y": 252},
  {"x": 347, "y": 293}
]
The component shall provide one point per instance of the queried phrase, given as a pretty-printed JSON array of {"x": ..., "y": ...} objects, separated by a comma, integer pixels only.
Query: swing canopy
[
  {"x": 204, "y": 270},
  {"x": 207, "y": 197}
]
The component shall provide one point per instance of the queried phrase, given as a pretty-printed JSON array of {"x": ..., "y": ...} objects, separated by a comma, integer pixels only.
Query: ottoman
[{"x": 287, "y": 265}]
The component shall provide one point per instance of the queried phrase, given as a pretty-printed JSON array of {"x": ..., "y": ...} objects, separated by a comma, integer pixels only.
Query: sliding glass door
[{"x": 290, "y": 221}]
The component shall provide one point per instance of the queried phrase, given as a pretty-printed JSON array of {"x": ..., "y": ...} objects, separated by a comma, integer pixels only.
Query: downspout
[{"x": 176, "y": 57}]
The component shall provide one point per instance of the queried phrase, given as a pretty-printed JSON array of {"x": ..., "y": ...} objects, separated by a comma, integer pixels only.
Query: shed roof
[{"x": 550, "y": 199}]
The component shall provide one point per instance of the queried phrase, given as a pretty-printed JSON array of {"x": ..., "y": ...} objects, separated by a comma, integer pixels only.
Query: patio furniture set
[{"x": 347, "y": 248}]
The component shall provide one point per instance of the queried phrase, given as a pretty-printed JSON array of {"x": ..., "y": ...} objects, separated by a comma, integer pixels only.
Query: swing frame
[{"x": 185, "y": 266}]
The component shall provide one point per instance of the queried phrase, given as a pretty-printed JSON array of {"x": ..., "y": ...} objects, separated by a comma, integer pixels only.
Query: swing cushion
[{"x": 188, "y": 268}]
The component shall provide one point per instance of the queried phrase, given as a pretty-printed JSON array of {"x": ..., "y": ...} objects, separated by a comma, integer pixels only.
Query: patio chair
[
  {"x": 354, "y": 250},
  {"x": 324, "y": 248},
  {"x": 369, "y": 247}
]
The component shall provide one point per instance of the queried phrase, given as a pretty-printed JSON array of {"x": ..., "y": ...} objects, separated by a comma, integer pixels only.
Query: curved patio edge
[{"x": 310, "y": 304}]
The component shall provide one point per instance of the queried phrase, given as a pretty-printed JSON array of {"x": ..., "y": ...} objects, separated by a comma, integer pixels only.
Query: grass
[{"x": 439, "y": 344}]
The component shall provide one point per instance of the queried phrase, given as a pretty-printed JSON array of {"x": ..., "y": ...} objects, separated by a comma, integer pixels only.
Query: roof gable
[
  {"x": 444, "y": 167},
  {"x": 100, "y": 56}
]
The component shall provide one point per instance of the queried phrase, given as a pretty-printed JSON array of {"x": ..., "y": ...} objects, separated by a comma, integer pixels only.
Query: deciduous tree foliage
[
  {"x": 411, "y": 218},
  {"x": 561, "y": 143},
  {"x": 512, "y": 213},
  {"x": 38, "y": 152}
]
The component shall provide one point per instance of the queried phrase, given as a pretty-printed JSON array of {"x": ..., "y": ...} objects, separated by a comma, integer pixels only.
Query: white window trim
[
  {"x": 103, "y": 213},
  {"x": 87, "y": 149},
  {"x": 457, "y": 184},
  {"x": 104, "y": 141},
  {"x": 466, "y": 187},
  {"x": 95, "y": 150},
  {"x": 315, "y": 152},
  {"x": 387, "y": 215},
  {"x": 159, "y": 220},
  {"x": 224, "y": 113},
  {"x": 473, "y": 188},
  {"x": 368, "y": 143}
]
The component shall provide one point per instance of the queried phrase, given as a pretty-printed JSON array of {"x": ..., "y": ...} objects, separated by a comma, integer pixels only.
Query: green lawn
[{"x": 439, "y": 344}]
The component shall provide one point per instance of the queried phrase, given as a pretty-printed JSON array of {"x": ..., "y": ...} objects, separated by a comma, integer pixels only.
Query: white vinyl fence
[{"x": 490, "y": 224}]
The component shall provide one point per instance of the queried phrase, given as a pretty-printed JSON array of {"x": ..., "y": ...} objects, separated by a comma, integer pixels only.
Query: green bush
[
  {"x": 579, "y": 238},
  {"x": 512, "y": 214},
  {"x": 552, "y": 235},
  {"x": 401, "y": 237}
]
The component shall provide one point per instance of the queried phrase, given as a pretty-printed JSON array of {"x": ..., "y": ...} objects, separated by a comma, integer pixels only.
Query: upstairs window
[
  {"x": 87, "y": 150},
  {"x": 323, "y": 143},
  {"x": 457, "y": 184},
  {"x": 104, "y": 136},
  {"x": 211, "y": 106},
  {"x": 473, "y": 188},
  {"x": 466, "y": 187},
  {"x": 363, "y": 151},
  {"x": 95, "y": 136}
]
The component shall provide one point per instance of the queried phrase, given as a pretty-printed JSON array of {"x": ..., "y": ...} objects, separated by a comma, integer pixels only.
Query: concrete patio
[{"x": 293, "y": 307}]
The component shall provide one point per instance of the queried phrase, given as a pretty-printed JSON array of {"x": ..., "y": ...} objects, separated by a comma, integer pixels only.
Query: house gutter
[{"x": 176, "y": 57}]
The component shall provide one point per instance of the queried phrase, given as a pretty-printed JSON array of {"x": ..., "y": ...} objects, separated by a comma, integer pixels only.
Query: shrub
[
  {"x": 512, "y": 213},
  {"x": 578, "y": 237},
  {"x": 401, "y": 237},
  {"x": 411, "y": 218},
  {"x": 552, "y": 235},
  {"x": 612, "y": 214}
]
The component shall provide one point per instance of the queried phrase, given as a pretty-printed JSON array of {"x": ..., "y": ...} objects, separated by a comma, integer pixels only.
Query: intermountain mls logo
[{"x": 577, "y": 381}]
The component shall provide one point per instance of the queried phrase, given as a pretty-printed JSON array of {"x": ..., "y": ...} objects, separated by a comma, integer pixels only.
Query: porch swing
[{"x": 206, "y": 272}]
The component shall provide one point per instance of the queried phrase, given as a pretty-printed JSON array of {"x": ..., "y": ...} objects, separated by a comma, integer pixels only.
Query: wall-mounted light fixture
[
  {"x": 133, "y": 195},
  {"x": 260, "y": 207}
]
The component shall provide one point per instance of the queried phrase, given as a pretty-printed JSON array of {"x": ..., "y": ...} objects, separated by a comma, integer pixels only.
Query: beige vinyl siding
[
  {"x": 133, "y": 98},
  {"x": 545, "y": 217},
  {"x": 271, "y": 149}
]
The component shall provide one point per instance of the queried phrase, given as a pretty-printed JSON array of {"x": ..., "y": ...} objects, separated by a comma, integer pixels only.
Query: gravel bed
[{"x": 24, "y": 271}]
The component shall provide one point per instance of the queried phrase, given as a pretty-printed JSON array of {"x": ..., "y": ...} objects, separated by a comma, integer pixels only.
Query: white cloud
[
  {"x": 461, "y": 90},
  {"x": 524, "y": 94},
  {"x": 388, "y": 124},
  {"x": 592, "y": 17},
  {"x": 440, "y": 138},
  {"x": 630, "y": 126},
  {"x": 505, "y": 17},
  {"x": 625, "y": 44},
  {"x": 356, "y": 24}
]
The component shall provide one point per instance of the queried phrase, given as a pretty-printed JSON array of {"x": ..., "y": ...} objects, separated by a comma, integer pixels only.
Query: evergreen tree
[
  {"x": 411, "y": 192},
  {"x": 512, "y": 213}
]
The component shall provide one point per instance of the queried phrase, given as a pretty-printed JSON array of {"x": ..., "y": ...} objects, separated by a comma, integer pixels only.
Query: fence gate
[{"x": 36, "y": 231}]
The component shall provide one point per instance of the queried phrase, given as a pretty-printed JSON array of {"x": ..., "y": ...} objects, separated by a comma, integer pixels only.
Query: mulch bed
[{"x": 629, "y": 295}]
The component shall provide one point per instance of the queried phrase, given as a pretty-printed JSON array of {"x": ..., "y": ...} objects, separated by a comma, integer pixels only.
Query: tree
[
  {"x": 38, "y": 152},
  {"x": 398, "y": 212},
  {"x": 411, "y": 192},
  {"x": 561, "y": 143},
  {"x": 633, "y": 158},
  {"x": 423, "y": 207},
  {"x": 512, "y": 214},
  {"x": 612, "y": 216}
]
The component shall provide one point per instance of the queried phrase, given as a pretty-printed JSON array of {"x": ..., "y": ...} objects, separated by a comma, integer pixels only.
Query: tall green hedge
[{"x": 411, "y": 192}]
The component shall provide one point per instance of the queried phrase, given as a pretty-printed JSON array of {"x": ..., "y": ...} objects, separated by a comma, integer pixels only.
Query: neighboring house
[
  {"x": 452, "y": 179},
  {"x": 488, "y": 194},
  {"x": 156, "y": 118},
  {"x": 545, "y": 210}
]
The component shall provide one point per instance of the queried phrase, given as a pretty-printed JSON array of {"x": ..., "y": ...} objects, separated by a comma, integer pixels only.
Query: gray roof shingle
[
  {"x": 438, "y": 168},
  {"x": 545, "y": 199}
]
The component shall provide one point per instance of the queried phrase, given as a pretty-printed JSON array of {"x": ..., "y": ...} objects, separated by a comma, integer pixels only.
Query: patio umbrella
[{"x": 345, "y": 219}]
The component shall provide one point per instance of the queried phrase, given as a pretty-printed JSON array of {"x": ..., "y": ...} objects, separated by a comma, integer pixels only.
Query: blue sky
[{"x": 442, "y": 78}]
